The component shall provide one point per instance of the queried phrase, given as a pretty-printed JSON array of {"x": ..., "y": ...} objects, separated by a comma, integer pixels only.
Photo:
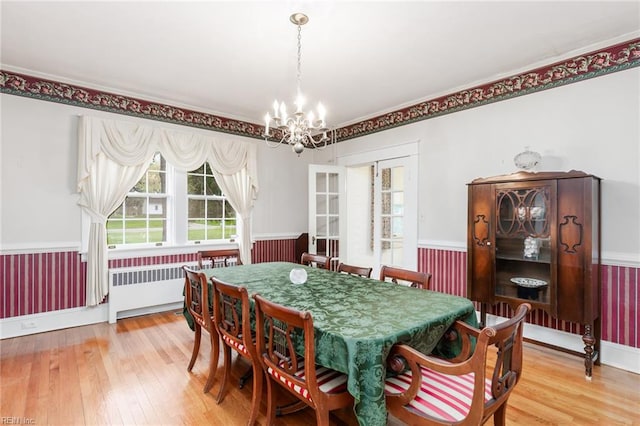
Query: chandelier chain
[{"x": 299, "y": 77}]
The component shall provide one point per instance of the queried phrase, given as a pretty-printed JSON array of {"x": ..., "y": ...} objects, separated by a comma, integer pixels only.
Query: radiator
[{"x": 145, "y": 289}]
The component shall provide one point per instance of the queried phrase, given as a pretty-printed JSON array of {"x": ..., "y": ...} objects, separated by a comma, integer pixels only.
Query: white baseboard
[
  {"x": 57, "y": 320},
  {"x": 49, "y": 321},
  {"x": 611, "y": 354},
  {"x": 151, "y": 310}
]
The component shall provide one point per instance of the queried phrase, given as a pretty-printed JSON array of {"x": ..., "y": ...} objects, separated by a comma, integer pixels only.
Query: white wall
[
  {"x": 38, "y": 177},
  {"x": 592, "y": 126}
]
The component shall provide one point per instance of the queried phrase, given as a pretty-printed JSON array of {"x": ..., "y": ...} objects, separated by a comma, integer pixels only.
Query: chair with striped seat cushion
[
  {"x": 233, "y": 321},
  {"x": 279, "y": 331},
  {"x": 430, "y": 391},
  {"x": 362, "y": 271},
  {"x": 218, "y": 258},
  {"x": 316, "y": 260},
  {"x": 404, "y": 276},
  {"x": 196, "y": 293}
]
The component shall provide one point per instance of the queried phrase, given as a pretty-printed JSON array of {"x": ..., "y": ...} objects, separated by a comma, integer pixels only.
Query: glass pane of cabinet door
[{"x": 524, "y": 266}]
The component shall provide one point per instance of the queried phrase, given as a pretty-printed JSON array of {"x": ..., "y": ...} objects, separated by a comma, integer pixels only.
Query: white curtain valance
[{"x": 114, "y": 155}]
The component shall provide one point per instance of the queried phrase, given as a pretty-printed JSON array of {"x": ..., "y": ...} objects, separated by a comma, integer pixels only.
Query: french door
[
  {"x": 395, "y": 213},
  {"x": 326, "y": 201}
]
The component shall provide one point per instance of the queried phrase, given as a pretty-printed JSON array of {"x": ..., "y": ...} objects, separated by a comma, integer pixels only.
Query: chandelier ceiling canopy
[{"x": 299, "y": 130}]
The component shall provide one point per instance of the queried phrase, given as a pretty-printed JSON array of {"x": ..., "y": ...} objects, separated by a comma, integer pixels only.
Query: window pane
[
  {"x": 230, "y": 228},
  {"x": 114, "y": 231},
  {"x": 156, "y": 207},
  {"x": 135, "y": 232},
  {"x": 228, "y": 210},
  {"x": 134, "y": 207},
  {"x": 214, "y": 208},
  {"x": 196, "y": 230},
  {"x": 156, "y": 182},
  {"x": 196, "y": 209},
  {"x": 141, "y": 186},
  {"x": 195, "y": 184},
  {"x": 212, "y": 186},
  {"x": 157, "y": 229},
  {"x": 214, "y": 230}
]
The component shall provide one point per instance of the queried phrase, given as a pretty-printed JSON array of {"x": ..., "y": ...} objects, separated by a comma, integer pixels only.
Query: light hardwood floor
[{"x": 135, "y": 372}]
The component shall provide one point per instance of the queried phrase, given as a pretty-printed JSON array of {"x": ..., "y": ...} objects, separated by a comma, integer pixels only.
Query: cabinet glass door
[{"x": 524, "y": 266}]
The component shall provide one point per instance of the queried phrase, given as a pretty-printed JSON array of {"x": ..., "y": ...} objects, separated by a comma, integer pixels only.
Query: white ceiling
[{"x": 359, "y": 58}]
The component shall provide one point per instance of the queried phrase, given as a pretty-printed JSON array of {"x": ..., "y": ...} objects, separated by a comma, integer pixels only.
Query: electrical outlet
[{"x": 29, "y": 324}]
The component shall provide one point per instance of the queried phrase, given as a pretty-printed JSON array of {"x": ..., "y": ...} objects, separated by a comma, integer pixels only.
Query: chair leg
[
  {"x": 213, "y": 360},
  {"x": 271, "y": 401},
  {"x": 258, "y": 378},
  {"x": 322, "y": 417},
  {"x": 499, "y": 417},
  {"x": 226, "y": 373},
  {"x": 196, "y": 346}
]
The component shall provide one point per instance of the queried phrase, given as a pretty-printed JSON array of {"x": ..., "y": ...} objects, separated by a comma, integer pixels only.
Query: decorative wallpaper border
[
  {"x": 53, "y": 91},
  {"x": 611, "y": 59},
  {"x": 604, "y": 61}
]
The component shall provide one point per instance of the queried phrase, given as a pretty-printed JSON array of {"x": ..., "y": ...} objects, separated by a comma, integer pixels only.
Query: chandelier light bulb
[
  {"x": 299, "y": 102},
  {"x": 322, "y": 112}
]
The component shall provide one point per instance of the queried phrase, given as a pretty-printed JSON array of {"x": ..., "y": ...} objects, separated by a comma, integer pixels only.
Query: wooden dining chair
[
  {"x": 316, "y": 260},
  {"x": 399, "y": 275},
  {"x": 218, "y": 258},
  {"x": 197, "y": 301},
  {"x": 279, "y": 329},
  {"x": 355, "y": 270},
  {"x": 461, "y": 391},
  {"x": 233, "y": 321}
]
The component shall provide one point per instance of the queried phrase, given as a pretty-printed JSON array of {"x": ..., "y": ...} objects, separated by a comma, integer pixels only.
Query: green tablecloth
[{"x": 356, "y": 321}]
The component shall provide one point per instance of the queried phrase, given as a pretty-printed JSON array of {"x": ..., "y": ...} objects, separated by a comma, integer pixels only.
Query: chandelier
[{"x": 298, "y": 130}]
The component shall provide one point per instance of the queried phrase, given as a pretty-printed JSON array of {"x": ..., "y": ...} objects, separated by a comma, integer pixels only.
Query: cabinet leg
[
  {"x": 591, "y": 355},
  {"x": 483, "y": 315}
]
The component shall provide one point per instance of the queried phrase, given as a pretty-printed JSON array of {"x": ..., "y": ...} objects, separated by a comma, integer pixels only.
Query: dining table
[{"x": 357, "y": 320}]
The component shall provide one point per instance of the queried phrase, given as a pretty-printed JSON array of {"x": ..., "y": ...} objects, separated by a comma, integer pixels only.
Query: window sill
[{"x": 128, "y": 253}]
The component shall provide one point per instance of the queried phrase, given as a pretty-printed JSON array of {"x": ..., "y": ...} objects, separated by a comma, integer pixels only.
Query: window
[
  {"x": 142, "y": 217},
  {"x": 168, "y": 206},
  {"x": 210, "y": 216}
]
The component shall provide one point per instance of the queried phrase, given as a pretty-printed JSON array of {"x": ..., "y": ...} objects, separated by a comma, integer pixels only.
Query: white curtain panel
[{"x": 114, "y": 155}]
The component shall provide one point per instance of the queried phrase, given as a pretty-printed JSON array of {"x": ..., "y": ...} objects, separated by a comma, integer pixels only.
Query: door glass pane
[
  {"x": 321, "y": 226},
  {"x": 396, "y": 231},
  {"x": 397, "y": 179},
  {"x": 386, "y": 203},
  {"x": 334, "y": 230},
  {"x": 386, "y": 179},
  {"x": 392, "y": 215},
  {"x": 333, "y": 204},
  {"x": 398, "y": 203},
  {"x": 321, "y": 182},
  {"x": 333, "y": 183},
  {"x": 321, "y": 204}
]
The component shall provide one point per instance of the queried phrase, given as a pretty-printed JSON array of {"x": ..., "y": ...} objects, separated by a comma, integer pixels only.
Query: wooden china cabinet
[{"x": 535, "y": 237}]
